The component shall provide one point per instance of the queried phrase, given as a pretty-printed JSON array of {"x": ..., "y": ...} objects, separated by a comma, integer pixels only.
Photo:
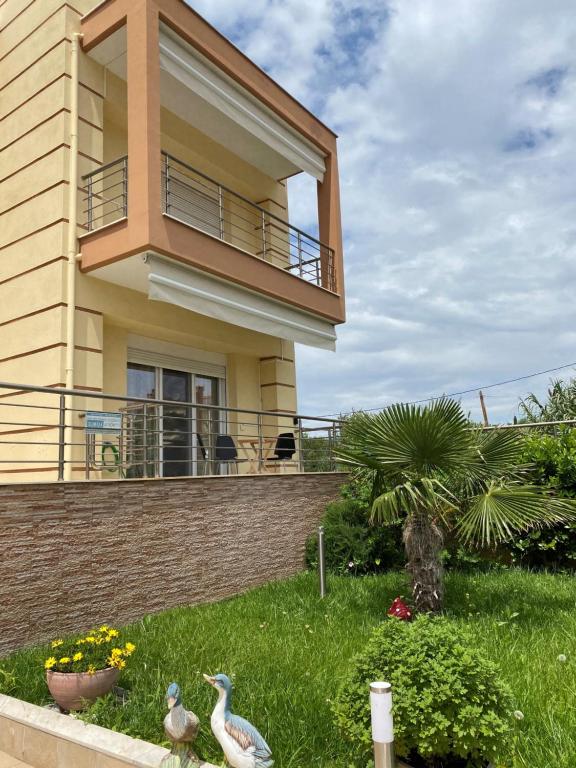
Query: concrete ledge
[{"x": 43, "y": 738}]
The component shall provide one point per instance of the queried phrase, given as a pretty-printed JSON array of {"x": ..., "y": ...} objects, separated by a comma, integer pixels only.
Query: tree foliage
[{"x": 429, "y": 468}]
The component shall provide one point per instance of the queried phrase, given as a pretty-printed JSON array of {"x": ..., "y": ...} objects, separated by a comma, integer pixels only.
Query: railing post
[
  {"x": 299, "y": 246},
  {"x": 125, "y": 187},
  {"x": 300, "y": 451},
  {"x": 221, "y": 211},
  {"x": 145, "y": 438},
  {"x": 263, "y": 234},
  {"x": 90, "y": 205},
  {"x": 260, "y": 443},
  {"x": 166, "y": 183},
  {"x": 61, "y": 435},
  {"x": 321, "y": 562}
]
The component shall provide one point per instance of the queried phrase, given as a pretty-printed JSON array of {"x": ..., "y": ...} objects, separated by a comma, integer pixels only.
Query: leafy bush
[
  {"x": 352, "y": 545},
  {"x": 449, "y": 702},
  {"x": 552, "y": 458}
]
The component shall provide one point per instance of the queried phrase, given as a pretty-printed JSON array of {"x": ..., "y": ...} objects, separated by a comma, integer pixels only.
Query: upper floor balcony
[
  {"x": 193, "y": 198},
  {"x": 188, "y": 201}
]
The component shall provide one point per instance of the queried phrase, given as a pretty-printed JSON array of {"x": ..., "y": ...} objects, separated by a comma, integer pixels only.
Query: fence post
[
  {"x": 321, "y": 562},
  {"x": 61, "y": 435},
  {"x": 301, "y": 456},
  {"x": 263, "y": 235},
  {"x": 382, "y": 724}
]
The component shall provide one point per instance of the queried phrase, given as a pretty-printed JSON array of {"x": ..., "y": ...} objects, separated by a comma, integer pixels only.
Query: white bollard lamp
[{"x": 382, "y": 724}]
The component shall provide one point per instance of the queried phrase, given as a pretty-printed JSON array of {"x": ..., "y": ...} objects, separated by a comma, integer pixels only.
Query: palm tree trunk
[{"x": 423, "y": 542}]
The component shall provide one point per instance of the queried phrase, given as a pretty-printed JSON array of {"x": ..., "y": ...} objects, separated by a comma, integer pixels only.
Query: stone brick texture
[{"x": 74, "y": 555}]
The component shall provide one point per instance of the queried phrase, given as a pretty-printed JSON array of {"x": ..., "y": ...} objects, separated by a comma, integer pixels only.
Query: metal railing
[
  {"x": 193, "y": 198},
  {"x": 87, "y": 434},
  {"x": 105, "y": 194}
]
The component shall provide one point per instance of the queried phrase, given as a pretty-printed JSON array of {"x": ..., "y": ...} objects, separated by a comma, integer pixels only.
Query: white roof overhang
[{"x": 188, "y": 67}]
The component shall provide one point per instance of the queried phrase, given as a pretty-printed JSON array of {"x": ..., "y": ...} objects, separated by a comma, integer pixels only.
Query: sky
[{"x": 457, "y": 152}]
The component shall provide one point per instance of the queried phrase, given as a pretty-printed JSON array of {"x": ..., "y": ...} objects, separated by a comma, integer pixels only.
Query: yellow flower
[
  {"x": 56, "y": 643},
  {"x": 116, "y": 652},
  {"x": 49, "y": 663},
  {"x": 64, "y": 660},
  {"x": 91, "y": 669},
  {"x": 129, "y": 649},
  {"x": 104, "y": 628},
  {"x": 78, "y": 656},
  {"x": 82, "y": 641},
  {"x": 113, "y": 633},
  {"x": 90, "y": 639},
  {"x": 116, "y": 661}
]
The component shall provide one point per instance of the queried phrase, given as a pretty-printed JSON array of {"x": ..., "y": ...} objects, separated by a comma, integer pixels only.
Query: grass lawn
[{"x": 287, "y": 651}]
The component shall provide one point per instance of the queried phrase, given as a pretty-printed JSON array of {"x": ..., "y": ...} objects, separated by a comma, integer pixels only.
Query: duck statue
[
  {"x": 241, "y": 743},
  {"x": 181, "y": 727}
]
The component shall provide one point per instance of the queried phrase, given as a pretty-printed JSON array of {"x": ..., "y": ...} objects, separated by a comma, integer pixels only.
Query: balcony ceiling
[{"x": 205, "y": 97}]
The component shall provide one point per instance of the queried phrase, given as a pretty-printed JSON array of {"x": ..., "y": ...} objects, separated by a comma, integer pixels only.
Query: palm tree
[
  {"x": 429, "y": 467},
  {"x": 560, "y": 402}
]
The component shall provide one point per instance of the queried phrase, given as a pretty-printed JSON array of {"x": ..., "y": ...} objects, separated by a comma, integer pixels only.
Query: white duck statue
[
  {"x": 181, "y": 727},
  {"x": 242, "y": 744}
]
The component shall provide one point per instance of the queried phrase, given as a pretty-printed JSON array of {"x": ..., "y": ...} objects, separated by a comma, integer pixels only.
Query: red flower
[{"x": 400, "y": 610}]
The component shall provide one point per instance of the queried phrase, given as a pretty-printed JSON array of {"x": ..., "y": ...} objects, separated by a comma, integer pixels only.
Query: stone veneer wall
[{"x": 73, "y": 555}]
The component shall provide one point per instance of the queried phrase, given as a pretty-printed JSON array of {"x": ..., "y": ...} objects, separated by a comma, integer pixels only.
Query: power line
[{"x": 464, "y": 391}]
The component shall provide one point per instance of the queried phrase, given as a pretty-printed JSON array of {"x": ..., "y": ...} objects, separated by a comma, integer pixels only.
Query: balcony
[
  {"x": 194, "y": 199},
  {"x": 187, "y": 165}
]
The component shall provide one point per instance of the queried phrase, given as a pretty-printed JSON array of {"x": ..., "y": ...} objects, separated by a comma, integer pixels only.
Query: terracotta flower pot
[{"x": 77, "y": 690}]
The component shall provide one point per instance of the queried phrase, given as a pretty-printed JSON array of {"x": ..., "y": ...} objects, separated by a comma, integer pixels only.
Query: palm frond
[
  {"x": 426, "y": 495},
  {"x": 408, "y": 440},
  {"x": 503, "y": 510}
]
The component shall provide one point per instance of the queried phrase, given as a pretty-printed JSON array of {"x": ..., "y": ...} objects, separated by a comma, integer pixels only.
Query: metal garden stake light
[
  {"x": 382, "y": 724},
  {"x": 321, "y": 562}
]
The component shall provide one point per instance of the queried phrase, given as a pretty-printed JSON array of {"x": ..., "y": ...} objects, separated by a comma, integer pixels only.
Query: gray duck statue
[
  {"x": 242, "y": 744},
  {"x": 181, "y": 728}
]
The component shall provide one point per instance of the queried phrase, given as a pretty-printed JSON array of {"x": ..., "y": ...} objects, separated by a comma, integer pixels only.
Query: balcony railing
[
  {"x": 197, "y": 200},
  {"x": 113, "y": 436},
  {"x": 106, "y": 194}
]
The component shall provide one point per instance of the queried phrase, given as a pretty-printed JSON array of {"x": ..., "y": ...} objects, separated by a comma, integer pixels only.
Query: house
[{"x": 183, "y": 280}]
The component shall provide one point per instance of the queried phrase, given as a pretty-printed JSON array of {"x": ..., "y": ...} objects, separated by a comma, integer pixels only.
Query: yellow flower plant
[{"x": 98, "y": 649}]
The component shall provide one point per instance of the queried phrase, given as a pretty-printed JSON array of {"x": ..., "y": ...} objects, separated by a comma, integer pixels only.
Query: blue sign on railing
[{"x": 103, "y": 422}]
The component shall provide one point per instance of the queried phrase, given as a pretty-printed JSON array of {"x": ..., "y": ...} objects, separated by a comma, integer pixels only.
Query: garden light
[
  {"x": 321, "y": 562},
  {"x": 382, "y": 724}
]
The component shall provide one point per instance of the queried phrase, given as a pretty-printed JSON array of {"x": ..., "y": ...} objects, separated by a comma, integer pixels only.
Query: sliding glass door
[
  {"x": 177, "y": 426},
  {"x": 173, "y": 440}
]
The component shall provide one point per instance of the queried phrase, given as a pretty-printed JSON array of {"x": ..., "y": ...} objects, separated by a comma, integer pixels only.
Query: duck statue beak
[
  {"x": 170, "y": 701},
  {"x": 211, "y": 680}
]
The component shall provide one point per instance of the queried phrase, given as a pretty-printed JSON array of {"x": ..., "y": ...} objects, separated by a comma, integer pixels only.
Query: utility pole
[{"x": 483, "y": 406}]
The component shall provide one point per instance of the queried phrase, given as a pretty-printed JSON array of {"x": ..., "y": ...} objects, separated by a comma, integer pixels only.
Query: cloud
[{"x": 457, "y": 124}]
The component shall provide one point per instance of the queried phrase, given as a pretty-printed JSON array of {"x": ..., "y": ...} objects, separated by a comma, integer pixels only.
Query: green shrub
[
  {"x": 552, "y": 461},
  {"x": 448, "y": 699},
  {"x": 354, "y": 546}
]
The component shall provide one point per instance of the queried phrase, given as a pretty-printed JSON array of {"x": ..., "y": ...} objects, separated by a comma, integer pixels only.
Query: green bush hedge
[
  {"x": 552, "y": 461},
  {"x": 449, "y": 701},
  {"x": 352, "y": 545}
]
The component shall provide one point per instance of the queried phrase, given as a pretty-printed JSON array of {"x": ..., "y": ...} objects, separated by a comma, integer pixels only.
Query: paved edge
[{"x": 135, "y": 752}]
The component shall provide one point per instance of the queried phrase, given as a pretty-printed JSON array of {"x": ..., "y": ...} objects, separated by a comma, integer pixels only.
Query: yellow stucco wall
[{"x": 34, "y": 155}]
